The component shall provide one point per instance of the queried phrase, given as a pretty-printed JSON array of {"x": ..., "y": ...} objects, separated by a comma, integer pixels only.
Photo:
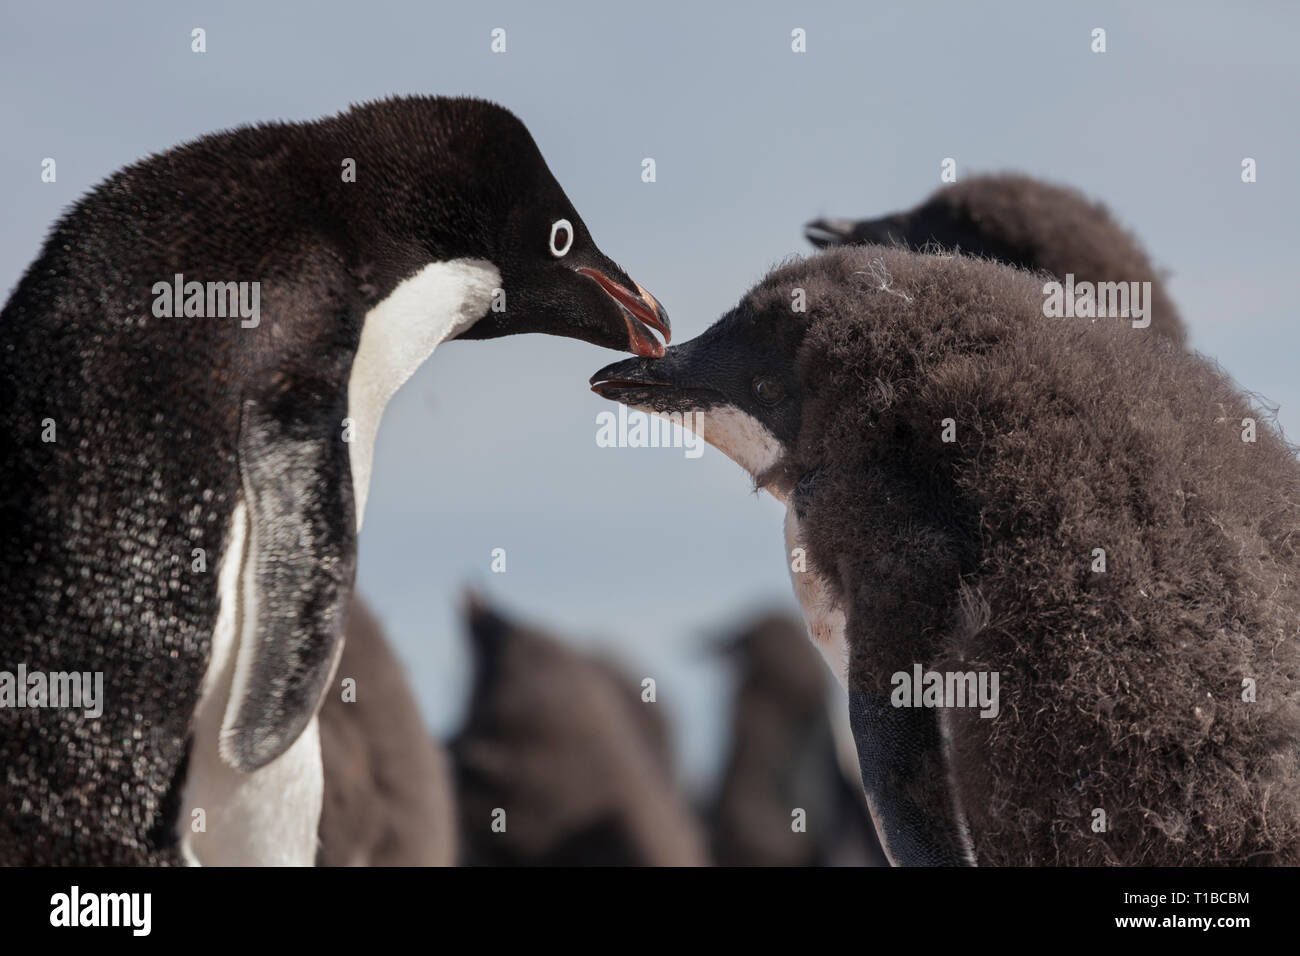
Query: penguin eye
[
  {"x": 561, "y": 237},
  {"x": 768, "y": 390}
]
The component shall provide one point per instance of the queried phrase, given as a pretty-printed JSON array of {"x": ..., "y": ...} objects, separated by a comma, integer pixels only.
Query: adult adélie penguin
[{"x": 192, "y": 374}]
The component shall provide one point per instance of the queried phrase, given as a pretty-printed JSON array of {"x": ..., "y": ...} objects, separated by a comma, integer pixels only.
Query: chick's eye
[
  {"x": 768, "y": 390},
  {"x": 561, "y": 237}
]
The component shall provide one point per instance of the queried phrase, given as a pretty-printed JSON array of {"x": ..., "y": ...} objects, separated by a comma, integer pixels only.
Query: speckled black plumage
[{"x": 101, "y": 526}]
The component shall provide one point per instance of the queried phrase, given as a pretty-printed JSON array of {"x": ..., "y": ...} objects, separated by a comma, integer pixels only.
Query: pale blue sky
[{"x": 493, "y": 443}]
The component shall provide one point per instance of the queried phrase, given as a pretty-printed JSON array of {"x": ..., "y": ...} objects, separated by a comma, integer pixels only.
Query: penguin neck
[{"x": 437, "y": 303}]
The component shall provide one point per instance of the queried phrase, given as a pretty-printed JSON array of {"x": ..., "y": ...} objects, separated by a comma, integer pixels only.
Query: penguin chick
[
  {"x": 1023, "y": 222},
  {"x": 783, "y": 756},
  {"x": 388, "y": 783},
  {"x": 560, "y": 762},
  {"x": 1104, "y": 524},
  {"x": 192, "y": 375}
]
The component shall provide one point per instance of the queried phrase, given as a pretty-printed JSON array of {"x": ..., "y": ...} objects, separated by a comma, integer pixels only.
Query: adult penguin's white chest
[
  {"x": 271, "y": 816},
  {"x": 437, "y": 303}
]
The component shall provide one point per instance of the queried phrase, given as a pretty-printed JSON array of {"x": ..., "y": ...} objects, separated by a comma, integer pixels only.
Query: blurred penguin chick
[
  {"x": 560, "y": 762},
  {"x": 784, "y": 758},
  {"x": 388, "y": 786}
]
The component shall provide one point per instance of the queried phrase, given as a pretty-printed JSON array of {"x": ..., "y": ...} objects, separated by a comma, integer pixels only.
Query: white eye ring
[{"x": 568, "y": 232}]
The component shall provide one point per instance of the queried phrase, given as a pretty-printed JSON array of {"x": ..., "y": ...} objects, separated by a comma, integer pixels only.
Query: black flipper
[
  {"x": 905, "y": 777},
  {"x": 299, "y": 568}
]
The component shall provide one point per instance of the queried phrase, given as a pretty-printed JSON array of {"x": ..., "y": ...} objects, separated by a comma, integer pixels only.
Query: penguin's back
[{"x": 122, "y": 480}]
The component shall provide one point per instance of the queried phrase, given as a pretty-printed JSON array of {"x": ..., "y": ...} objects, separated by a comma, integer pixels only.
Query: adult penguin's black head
[{"x": 440, "y": 179}]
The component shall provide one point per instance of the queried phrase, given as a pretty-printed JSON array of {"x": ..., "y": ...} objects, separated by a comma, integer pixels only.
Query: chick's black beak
[
  {"x": 676, "y": 382},
  {"x": 621, "y": 381},
  {"x": 641, "y": 313}
]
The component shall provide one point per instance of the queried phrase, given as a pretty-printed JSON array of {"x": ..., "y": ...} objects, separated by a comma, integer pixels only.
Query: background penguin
[
  {"x": 388, "y": 782},
  {"x": 565, "y": 745},
  {"x": 223, "y": 440},
  {"x": 1023, "y": 222},
  {"x": 784, "y": 754},
  {"x": 1148, "y": 713}
]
